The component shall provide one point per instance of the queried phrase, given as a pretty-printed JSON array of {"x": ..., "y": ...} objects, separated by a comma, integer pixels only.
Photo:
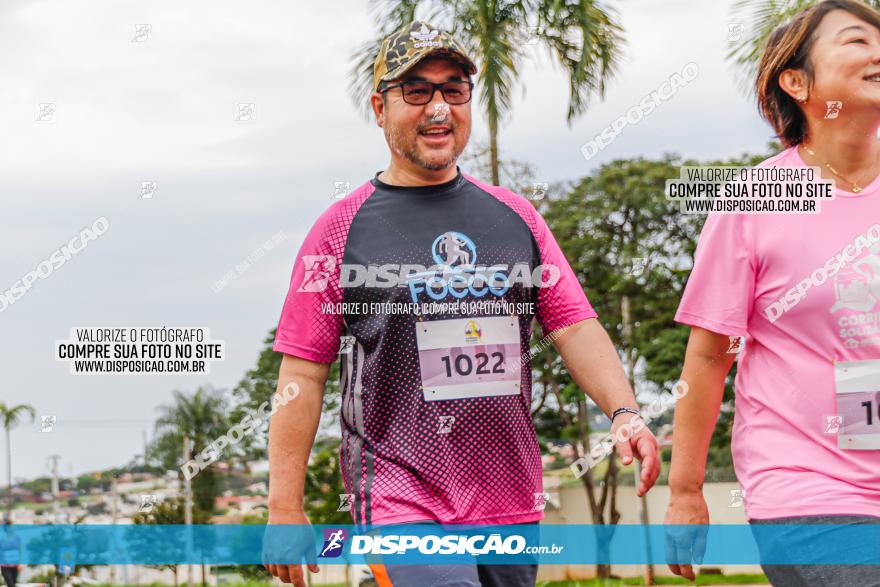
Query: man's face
[{"x": 433, "y": 135}]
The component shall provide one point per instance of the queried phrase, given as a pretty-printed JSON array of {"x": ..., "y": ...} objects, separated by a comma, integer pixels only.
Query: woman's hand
[{"x": 687, "y": 521}]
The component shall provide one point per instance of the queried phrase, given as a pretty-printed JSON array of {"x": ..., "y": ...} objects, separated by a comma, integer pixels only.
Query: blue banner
[{"x": 433, "y": 543}]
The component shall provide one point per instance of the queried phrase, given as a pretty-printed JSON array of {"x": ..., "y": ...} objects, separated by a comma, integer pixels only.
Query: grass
[
  {"x": 704, "y": 579},
  {"x": 701, "y": 580},
  {"x": 182, "y": 583}
]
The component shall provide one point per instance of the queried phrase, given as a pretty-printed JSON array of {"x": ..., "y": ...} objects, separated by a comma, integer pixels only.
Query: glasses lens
[
  {"x": 420, "y": 93},
  {"x": 456, "y": 92},
  {"x": 417, "y": 92}
]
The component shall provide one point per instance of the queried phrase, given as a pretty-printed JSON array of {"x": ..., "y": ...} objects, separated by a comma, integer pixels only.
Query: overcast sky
[{"x": 162, "y": 109}]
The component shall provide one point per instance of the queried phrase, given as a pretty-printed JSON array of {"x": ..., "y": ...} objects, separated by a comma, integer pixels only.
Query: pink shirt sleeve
[
  {"x": 719, "y": 295},
  {"x": 563, "y": 303},
  {"x": 308, "y": 328},
  {"x": 304, "y": 329}
]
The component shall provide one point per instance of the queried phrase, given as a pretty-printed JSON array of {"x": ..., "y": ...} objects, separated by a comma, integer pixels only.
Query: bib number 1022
[
  {"x": 869, "y": 408},
  {"x": 464, "y": 365}
]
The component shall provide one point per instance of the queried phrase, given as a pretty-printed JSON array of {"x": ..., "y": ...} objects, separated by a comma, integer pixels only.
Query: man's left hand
[{"x": 633, "y": 438}]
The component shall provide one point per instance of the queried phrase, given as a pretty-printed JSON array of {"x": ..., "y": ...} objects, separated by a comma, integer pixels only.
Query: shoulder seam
[{"x": 531, "y": 223}]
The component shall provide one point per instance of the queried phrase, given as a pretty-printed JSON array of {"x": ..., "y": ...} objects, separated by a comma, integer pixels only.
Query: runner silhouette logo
[
  {"x": 334, "y": 542},
  {"x": 454, "y": 249}
]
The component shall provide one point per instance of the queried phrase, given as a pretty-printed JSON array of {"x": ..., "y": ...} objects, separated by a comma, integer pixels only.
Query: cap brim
[{"x": 451, "y": 54}]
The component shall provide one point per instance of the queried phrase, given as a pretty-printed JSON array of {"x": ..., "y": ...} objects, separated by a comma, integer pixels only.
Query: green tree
[
  {"x": 583, "y": 37},
  {"x": 323, "y": 483},
  {"x": 624, "y": 242},
  {"x": 10, "y": 417},
  {"x": 166, "y": 512},
  {"x": 259, "y": 384},
  {"x": 254, "y": 573},
  {"x": 202, "y": 417},
  {"x": 515, "y": 175}
]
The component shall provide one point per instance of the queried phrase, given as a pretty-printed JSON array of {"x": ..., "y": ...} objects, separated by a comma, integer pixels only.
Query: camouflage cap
[{"x": 405, "y": 47}]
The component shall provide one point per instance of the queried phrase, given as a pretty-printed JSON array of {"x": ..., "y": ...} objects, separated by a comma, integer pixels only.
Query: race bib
[
  {"x": 469, "y": 357},
  {"x": 858, "y": 404}
]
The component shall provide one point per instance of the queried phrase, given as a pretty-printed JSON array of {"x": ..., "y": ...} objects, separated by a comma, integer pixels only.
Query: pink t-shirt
[{"x": 745, "y": 281}]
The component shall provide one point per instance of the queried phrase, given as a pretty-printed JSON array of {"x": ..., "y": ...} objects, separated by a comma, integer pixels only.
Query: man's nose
[
  {"x": 437, "y": 109},
  {"x": 436, "y": 99}
]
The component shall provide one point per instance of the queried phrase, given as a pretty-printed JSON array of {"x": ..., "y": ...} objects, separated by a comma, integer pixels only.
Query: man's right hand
[
  {"x": 289, "y": 544},
  {"x": 684, "y": 545}
]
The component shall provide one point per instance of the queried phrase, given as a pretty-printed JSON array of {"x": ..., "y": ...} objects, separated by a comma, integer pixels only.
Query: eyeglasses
[{"x": 419, "y": 93}]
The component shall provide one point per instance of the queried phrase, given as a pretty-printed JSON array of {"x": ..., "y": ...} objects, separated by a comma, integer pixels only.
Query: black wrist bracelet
[{"x": 619, "y": 411}]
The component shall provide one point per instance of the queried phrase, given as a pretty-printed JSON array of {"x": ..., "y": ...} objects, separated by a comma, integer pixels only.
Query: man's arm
[
  {"x": 292, "y": 431},
  {"x": 594, "y": 364},
  {"x": 291, "y": 435}
]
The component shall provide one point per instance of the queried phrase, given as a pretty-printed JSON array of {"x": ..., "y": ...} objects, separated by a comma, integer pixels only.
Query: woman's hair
[{"x": 788, "y": 47}]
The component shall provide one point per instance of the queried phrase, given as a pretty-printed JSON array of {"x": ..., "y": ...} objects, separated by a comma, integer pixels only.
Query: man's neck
[{"x": 414, "y": 176}]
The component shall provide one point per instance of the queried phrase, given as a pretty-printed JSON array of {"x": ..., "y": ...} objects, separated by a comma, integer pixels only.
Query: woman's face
[{"x": 846, "y": 65}]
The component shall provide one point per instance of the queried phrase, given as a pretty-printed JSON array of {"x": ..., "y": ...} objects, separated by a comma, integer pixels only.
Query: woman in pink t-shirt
[{"x": 802, "y": 289}]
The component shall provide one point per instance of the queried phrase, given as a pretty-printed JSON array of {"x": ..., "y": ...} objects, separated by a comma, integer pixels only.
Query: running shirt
[
  {"x": 805, "y": 291},
  {"x": 436, "y": 421}
]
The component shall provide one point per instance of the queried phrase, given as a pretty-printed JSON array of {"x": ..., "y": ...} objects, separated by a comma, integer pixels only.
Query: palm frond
[
  {"x": 11, "y": 415},
  {"x": 586, "y": 39},
  {"x": 492, "y": 32},
  {"x": 758, "y": 18},
  {"x": 389, "y": 15}
]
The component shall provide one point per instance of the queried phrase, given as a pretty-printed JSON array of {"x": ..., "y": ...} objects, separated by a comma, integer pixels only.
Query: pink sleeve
[
  {"x": 306, "y": 328},
  {"x": 563, "y": 303},
  {"x": 720, "y": 291}
]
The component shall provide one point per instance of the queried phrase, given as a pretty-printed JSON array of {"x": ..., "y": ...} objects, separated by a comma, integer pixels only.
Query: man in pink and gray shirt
[{"x": 435, "y": 409}]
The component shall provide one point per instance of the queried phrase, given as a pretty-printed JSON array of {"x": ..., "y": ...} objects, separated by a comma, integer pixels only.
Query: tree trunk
[
  {"x": 9, "y": 474},
  {"x": 604, "y": 529},
  {"x": 493, "y": 147},
  {"x": 631, "y": 360}
]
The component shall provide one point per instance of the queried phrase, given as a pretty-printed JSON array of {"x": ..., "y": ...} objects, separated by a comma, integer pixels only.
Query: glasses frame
[{"x": 434, "y": 88}]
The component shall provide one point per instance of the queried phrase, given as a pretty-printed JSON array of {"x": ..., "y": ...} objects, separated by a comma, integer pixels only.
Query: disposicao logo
[
  {"x": 433, "y": 544},
  {"x": 334, "y": 542}
]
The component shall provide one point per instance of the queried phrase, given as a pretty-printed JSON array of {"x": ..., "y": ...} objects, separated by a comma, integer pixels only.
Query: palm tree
[
  {"x": 10, "y": 416},
  {"x": 758, "y": 18},
  {"x": 583, "y": 36},
  {"x": 202, "y": 417}
]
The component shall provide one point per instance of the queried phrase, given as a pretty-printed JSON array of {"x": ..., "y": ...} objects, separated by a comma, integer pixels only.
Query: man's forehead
[{"x": 435, "y": 68}]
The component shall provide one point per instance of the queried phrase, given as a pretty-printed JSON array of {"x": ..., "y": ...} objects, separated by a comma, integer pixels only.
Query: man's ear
[{"x": 378, "y": 105}]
